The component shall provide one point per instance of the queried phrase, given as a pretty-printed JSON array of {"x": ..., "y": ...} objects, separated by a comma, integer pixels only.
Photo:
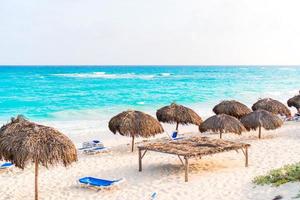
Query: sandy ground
[{"x": 221, "y": 176}]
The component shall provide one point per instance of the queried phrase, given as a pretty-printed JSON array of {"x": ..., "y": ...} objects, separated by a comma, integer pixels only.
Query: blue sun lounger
[
  {"x": 153, "y": 196},
  {"x": 91, "y": 144},
  {"x": 6, "y": 165},
  {"x": 95, "y": 150},
  {"x": 93, "y": 147},
  {"x": 99, "y": 183},
  {"x": 174, "y": 136}
]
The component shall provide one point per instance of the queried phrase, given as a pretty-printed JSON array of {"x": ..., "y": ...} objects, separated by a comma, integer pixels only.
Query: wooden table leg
[
  {"x": 246, "y": 156},
  {"x": 186, "y": 169},
  {"x": 140, "y": 160}
]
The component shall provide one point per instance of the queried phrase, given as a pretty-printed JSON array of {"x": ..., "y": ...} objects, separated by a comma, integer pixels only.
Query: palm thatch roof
[
  {"x": 192, "y": 146},
  {"x": 294, "y": 101},
  {"x": 222, "y": 124},
  {"x": 261, "y": 118},
  {"x": 233, "y": 108},
  {"x": 179, "y": 114},
  {"x": 22, "y": 141},
  {"x": 273, "y": 106},
  {"x": 135, "y": 124}
]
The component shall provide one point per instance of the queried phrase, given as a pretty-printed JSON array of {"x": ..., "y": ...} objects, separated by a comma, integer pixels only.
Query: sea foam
[
  {"x": 165, "y": 74},
  {"x": 104, "y": 75}
]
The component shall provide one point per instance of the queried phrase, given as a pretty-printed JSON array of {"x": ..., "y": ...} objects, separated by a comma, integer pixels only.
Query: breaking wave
[{"x": 104, "y": 75}]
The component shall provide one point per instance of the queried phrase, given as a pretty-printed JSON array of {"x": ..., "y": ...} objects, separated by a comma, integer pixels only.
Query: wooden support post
[
  {"x": 220, "y": 135},
  {"x": 246, "y": 156},
  {"x": 140, "y": 160},
  {"x": 186, "y": 169},
  {"x": 177, "y": 126},
  {"x": 259, "y": 131},
  {"x": 36, "y": 174},
  {"x": 132, "y": 145},
  {"x": 144, "y": 154},
  {"x": 180, "y": 160}
]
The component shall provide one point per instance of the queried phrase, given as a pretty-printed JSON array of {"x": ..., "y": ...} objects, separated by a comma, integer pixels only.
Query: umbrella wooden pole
[
  {"x": 177, "y": 126},
  {"x": 132, "y": 144},
  {"x": 259, "y": 132},
  {"x": 186, "y": 166},
  {"x": 140, "y": 160},
  {"x": 246, "y": 156},
  {"x": 36, "y": 180},
  {"x": 220, "y": 135}
]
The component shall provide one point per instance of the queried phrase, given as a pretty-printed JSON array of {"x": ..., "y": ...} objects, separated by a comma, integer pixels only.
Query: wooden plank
[{"x": 171, "y": 153}]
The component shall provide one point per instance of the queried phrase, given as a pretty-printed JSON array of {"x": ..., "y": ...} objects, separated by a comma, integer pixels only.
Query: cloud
[{"x": 149, "y": 32}]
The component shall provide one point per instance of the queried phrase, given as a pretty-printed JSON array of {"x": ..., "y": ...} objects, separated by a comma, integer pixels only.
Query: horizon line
[{"x": 155, "y": 65}]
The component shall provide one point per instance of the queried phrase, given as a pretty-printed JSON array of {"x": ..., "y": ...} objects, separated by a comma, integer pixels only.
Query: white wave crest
[
  {"x": 165, "y": 74},
  {"x": 287, "y": 68},
  {"x": 106, "y": 76}
]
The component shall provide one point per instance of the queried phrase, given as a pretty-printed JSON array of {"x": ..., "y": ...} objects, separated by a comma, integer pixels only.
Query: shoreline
[{"x": 81, "y": 126}]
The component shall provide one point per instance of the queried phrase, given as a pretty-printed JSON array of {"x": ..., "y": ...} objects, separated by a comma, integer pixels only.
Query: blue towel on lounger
[
  {"x": 6, "y": 165},
  {"x": 174, "y": 136}
]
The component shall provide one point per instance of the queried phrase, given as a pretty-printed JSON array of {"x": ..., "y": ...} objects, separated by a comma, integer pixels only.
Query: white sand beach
[
  {"x": 221, "y": 176},
  {"x": 122, "y": 78}
]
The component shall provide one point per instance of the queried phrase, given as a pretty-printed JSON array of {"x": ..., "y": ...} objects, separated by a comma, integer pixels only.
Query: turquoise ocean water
[{"x": 84, "y": 92}]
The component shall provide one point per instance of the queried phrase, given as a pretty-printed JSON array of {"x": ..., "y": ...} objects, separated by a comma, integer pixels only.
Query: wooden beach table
[{"x": 189, "y": 147}]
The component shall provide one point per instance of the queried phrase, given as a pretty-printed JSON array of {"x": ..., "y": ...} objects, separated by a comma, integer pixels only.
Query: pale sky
[{"x": 145, "y": 32}]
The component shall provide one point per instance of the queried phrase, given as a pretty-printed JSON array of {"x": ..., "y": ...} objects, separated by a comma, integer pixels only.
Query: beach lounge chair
[
  {"x": 93, "y": 147},
  {"x": 174, "y": 136},
  {"x": 91, "y": 144},
  {"x": 153, "y": 196},
  {"x": 99, "y": 183},
  {"x": 95, "y": 150},
  {"x": 295, "y": 118},
  {"x": 6, "y": 165}
]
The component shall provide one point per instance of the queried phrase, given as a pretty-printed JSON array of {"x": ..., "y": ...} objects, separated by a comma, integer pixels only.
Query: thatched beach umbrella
[
  {"x": 222, "y": 124},
  {"x": 178, "y": 114},
  {"x": 261, "y": 118},
  {"x": 294, "y": 101},
  {"x": 273, "y": 106},
  {"x": 233, "y": 108},
  {"x": 135, "y": 124},
  {"x": 22, "y": 142}
]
